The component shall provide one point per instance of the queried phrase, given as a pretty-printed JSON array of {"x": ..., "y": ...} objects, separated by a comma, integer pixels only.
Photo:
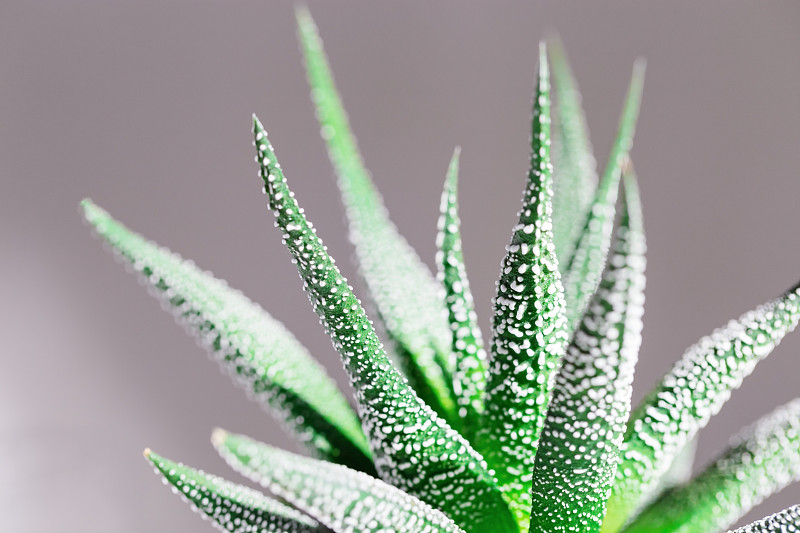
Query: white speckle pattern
[
  {"x": 256, "y": 350},
  {"x": 406, "y": 295},
  {"x": 574, "y": 166},
  {"x": 579, "y": 448},
  {"x": 529, "y": 327},
  {"x": 232, "y": 508},
  {"x": 587, "y": 263},
  {"x": 786, "y": 521},
  {"x": 760, "y": 461},
  {"x": 469, "y": 368},
  {"x": 344, "y": 500},
  {"x": 689, "y": 395},
  {"x": 413, "y": 448}
]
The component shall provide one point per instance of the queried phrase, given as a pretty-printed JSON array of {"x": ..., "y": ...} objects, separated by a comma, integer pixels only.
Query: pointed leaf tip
[
  {"x": 256, "y": 350},
  {"x": 574, "y": 165},
  {"x": 91, "y": 211},
  {"x": 414, "y": 449},
  {"x": 543, "y": 54},
  {"x": 468, "y": 352},
  {"x": 340, "y": 498},
  {"x": 528, "y": 327},
  {"x": 591, "y": 250},
  {"x": 234, "y": 508},
  {"x": 406, "y": 295},
  {"x": 218, "y": 436}
]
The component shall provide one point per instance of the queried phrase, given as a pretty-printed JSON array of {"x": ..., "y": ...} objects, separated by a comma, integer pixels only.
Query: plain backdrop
[{"x": 145, "y": 106}]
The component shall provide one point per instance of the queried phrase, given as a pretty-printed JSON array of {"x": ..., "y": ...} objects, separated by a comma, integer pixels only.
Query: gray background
[{"x": 145, "y": 106}]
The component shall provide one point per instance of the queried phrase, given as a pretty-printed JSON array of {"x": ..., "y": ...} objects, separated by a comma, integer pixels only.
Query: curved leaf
[
  {"x": 261, "y": 355},
  {"x": 579, "y": 448},
  {"x": 686, "y": 398},
  {"x": 761, "y": 461},
  {"x": 574, "y": 165},
  {"x": 587, "y": 263},
  {"x": 529, "y": 329},
  {"x": 406, "y": 295},
  {"x": 786, "y": 521},
  {"x": 469, "y": 373},
  {"x": 414, "y": 449},
  {"x": 232, "y": 507},
  {"x": 340, "y": 498}
]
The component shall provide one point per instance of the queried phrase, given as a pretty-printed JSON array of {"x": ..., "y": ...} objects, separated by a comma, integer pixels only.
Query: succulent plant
[{"x": 532, "y": 432}]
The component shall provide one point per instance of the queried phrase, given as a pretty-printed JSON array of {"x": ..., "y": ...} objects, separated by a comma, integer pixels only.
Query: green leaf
[
  {"x": 406, "y": 295},
  {"x": 579, "y": 447},
  {"x": 469, "y": 373},
  {"x": 232, "y": 507},
  {"x": 760, "y": 462},
  {"x": 528, "y": 335},
  {"x": 588, "y": 260},
  {"x": 786, "y": 521},
  {"x": 261, "y": 355},
  {"x": 340, "y": 498},
  {"x": 574, "y": 165},
  {"x": 689, "y": 395},
  {"x": 414, "y": 449},
  {"x": 679, "y": 472}
]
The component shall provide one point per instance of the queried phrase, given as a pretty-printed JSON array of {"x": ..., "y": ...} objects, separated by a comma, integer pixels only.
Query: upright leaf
[
  {"x": 340, "y": 498},
  {"x": 588, "y": 260},
  {"x": 414, "y": 449},
  {"x": 405, "y": 293},
  {"x": 761, "y": 461},
  {"x": 261, "y": 355},
  {"x": 528, "y": 335},
  {"x": 693, "y": 391},
  {"x": 786, "y": 521},
  {"x": 579, "y": 448},
  {"x": 232, "y": 507},
  {"x": 469, "y": 372},
  {"x": 574, "y": 165}
]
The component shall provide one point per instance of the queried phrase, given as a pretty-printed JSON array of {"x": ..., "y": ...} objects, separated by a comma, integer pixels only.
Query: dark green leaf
[
  {"x": 579, "y": 447},
  {"x": 414, "y": 449},
  {"x": 529, "y": 328},
  {"x": 469, "y": 373}
]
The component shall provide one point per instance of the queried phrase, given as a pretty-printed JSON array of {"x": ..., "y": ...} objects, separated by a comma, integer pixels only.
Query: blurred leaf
[
  {"x": 344, "y": 500},
  {"x": 574, "y": 165},
  {"x": 232, "y": 507},
  {"x": 259, "y": 353},
  {"x": 587, "y": 263},
  {"x": 689, "y": 395},
  {"x": 760, "y": 462},
  {"x": 406, "y": 295}
]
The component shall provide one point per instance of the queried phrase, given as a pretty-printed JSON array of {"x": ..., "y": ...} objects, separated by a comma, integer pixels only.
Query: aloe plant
[{"x": 532, "y": 431}]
